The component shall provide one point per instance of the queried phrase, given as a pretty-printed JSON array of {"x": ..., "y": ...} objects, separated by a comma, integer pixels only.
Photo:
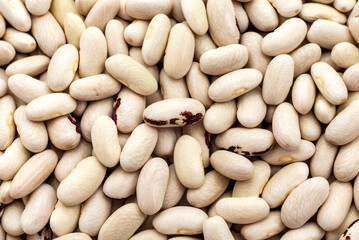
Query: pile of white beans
[{"x": 179, "y": 119}]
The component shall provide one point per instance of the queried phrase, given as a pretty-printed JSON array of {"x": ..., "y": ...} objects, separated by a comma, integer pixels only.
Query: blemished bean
[{"x": 179, "y": 119}]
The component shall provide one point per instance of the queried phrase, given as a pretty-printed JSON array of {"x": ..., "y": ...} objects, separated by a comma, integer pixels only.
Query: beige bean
[
  {"x": 33, "y": 135},
  {"x": 181, "y": 39},
  {"x": 242, "y": 210},
  {"x": 265, "y": 228},
  {"x": 84, "y": 6},
  {"x": 101, "y": 13},
  {"x": 123, "y": 223},
  {"x": 232, "y": 165},
  {"x": 176, "y": 11},
  {"x": 216, "y": 228},
  {"x": 64, "y": 219},
  {"x": 308, "y": 231},
  {"x": 172, "y": 88},
  {"x": 293, "y": 30},
  {"x": 10, "y": 219},
  {"x": 71, "y": 158},
  {"x": 344, "y": 125},
  {"x": 346, "y": 162},
  {"x": 234, "y": 84},
  {"x": 89, "y": 172},
  {"x": 80, "y": 108},
  {"x": 336, "y": 206},
  {"x": 121, "y": 184},
  {"x": 134, "y": 34},
  {"x": 303, "y": 93},
  {"x": 38, "y": 209},
  {"x": 195, "y": 14},
  {"x": 155, "y": 39},
  {"x": 64, "y": 132},
  {"x": 47, "y": 33},
  {"x": 253, "y": 187},
  {"x": 148, "y": 235},
  {"x": 202, "y": 136},
  {"x": 33, "y": 173},
  {"x": 329, "y": 83},
  {"x": 114, "y": 33},
  {"x": 349, "y": 219},
  {"x": 241, "y": 15},
  {"x": 175, "y": 112},
  {"x": 138, "y": 147},
  {"x": 94, "y": 213},
  {"x": 32, "y": 66},
  {"x": 188, "y": 162},
  {"x": 92, "y": 112},
  {"x": 38, "y": 7},
  {"x": 7, "y": 52},
  {"x": 310, "y": 128},
  {"x": 136, "y": 54},
  {"x": 5, "y": 197},
  {"x": 237, "y": 140},
  {"x": 278, "y": 80},
  {"x": 180, "y": 220},
  {"x": 128, "y": 109},
  {"x": 62, "y": 67},
  {"x": 223, "y": 28},
  {"x": 16, "y": 14},
  {"x": 304, "y": 57},
  {"x": 93, "y": 52},
  {"x": 94, "y": 88},
  {"x": 60, "y": 8},
  {"x": 304, "y": 201},
  {"x": 327, "y": 58},
  {"x": 287, "y": 9},
  {"x": 251, "y": 108},
  {"x": 283, "y": 182},
  {"x": 3, "y": 83},
  {"x": 344, "y": 6},
  {"x": 212, "y": 209},
  {"x": 132, "y": 74},
  {"x": 281, "y": 156},
  {"x": 212, "y": 188},
  {"x": 175, "y": 190},
  {"x": 220, "y": 117},
  {"x": 202, "y": 44},
  {"x": 50, "y": 106},
  {"x": 143, "y": 9},
  {"x": 262, "y": 15},
  {"x": 165, "y": 143},
  {"x": 2, "y": 25},
  {"x": 13, "y": 159},
  {"x": 322, "y": 161},
  {"x": 350, "y": 77},
  {"x": 74, "y": 236},
  {"x": 313, "y": 11},
  {"x": 22, "y": 42},
  {"x": 353, "y": 27},
  {"x": 223, "y": 59},
  {"x": 323, "y": 110},
  {"x": 7, "y": 126},
  {"x": 198, "y": 84},
  {"x": 256, "y": 58},
  {"x": 151, "y": 185},
  {"x": 73, "y": 27},
  {"x": 286, "y": 129},
  {"x": 327, "y": 33},
  {"x": 345, "y": 54},
  {"x": 105, "y": 141}
]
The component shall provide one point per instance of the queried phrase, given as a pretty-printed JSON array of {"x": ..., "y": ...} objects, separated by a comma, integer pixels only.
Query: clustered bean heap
[{"x": 179, "y": 119}]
